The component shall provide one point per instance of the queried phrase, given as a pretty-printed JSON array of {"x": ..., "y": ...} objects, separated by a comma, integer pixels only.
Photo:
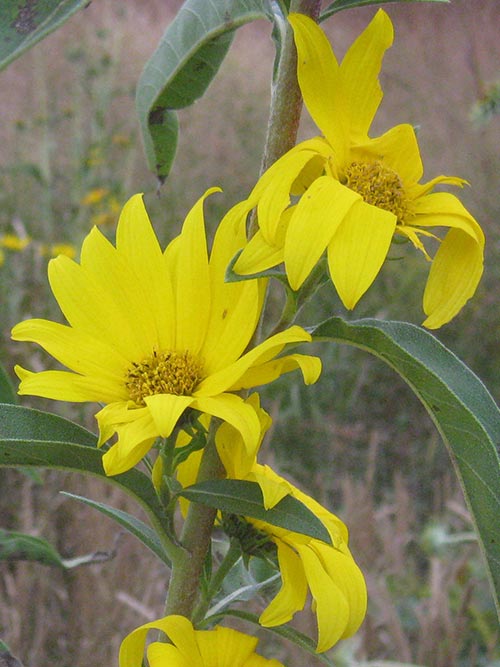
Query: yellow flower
[
  {"x": 94, "y": 196},
  {"x": 221, "y": 647},
  {"x": 357, "y": 193},
  {"x": 328, "y": 571},
  {"x": 14, "y": 242},
  {"x": 153, "y": 334}
]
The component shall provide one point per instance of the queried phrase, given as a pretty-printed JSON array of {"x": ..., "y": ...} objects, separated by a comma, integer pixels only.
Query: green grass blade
[
  {"x": 180, "y": 70},
  {"x": 459, "y": 405},
  {"x": 339, "y": 5},
  {"x": 23, "y": 24},
  {"x": 134, "y": 526}
]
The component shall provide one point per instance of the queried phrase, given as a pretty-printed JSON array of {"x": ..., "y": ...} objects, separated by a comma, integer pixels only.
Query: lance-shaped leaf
[
  {"x": 459, "y": 405},
  {"x": 33, "y": 438},
  {"x": 339, "y": 5},
  {"x": 180, "y": 70},
  {"x": 244, "y": 498},
  {"x": 19, "y": 546},
  {"x": 23, "y": 24}
]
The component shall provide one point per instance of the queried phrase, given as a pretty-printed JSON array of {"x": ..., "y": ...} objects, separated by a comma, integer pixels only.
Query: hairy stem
[{"x": 196, "y": 535}]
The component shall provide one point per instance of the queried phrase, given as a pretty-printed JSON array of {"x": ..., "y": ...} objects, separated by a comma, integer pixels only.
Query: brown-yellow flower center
[
  {"x": 163, "y": 373},
  {"x": 378, "y": 185}
]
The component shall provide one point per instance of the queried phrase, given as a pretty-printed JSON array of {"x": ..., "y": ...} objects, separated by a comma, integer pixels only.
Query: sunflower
[
  {"x": 350, "y": 194},
  {"x": 154, "y": 335},
  {"x": 220, "y": 647},
  {"x": 328, "y": 571}
]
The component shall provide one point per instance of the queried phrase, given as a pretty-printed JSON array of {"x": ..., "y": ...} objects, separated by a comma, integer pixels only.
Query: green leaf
[
  {"x": 138, "y": 528},
  {"x": 7, "y": 391},
  {"x": 186, "y": 60},
  {"x": 245, "y": 499},
  {"x": 459, "y": 405},
  {"x": 339, "y": 5},
  {"x": 23, "y": 24},
  {"x": 34, "y": 438},
  {"x": 19, "y": 546}
]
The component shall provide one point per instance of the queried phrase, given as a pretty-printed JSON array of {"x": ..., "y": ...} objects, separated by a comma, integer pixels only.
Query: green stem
[
  {"x": 230, "y": 559},
  {"x": 196, "y": 535}
]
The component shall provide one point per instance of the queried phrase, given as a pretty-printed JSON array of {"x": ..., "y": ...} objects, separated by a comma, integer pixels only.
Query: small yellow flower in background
[
  {"x": 66, "y": 249},
  {"x": 329, "y": 572},
  {"x": 357, "y": 193},
  {"x": 153, "y": 334},
  {"x": 14, "y": 242},
  {"x": 94, "y": 196},
  {"x": 2, "y": 257},
  {"x": 220, "y": 647}
]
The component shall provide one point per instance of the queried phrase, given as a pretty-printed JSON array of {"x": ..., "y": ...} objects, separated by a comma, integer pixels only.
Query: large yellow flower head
[
  {"x": 329, "y": 572},
  {"x": 357, "y": 193},
  {"x": 221, "y": 647},
  {"x": 153, "y": 334}
]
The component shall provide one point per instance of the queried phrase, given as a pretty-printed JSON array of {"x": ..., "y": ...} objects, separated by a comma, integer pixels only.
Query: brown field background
[{"x": 358, "y": 441}]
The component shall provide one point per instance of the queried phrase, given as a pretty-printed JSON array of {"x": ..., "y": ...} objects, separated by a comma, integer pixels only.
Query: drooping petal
[
  {"x": 319, "y": 80},
  {"x": 455, "y": 273},
  {"x": 342, "y": 568},
  {"x": 235, "y": 411},
  {"x": 261, "y": 374},
  {"x": 358, "y": 250},
  {"x": 315, "y": 220},
  {"x": 442, "y": 209},
  {"x": 192, "y": 282},
  {"x": 359, "y": 73},
  {"x": 166, "y": 409},
  {"x": 161, "y": 654},
  {"x": 293, "y": 592},
  {"x": 273, "y": 490},
  {"x": 229, "y": 377},
  {"x": 74, "y": 349},
  {"x": 65, "y": 386}
]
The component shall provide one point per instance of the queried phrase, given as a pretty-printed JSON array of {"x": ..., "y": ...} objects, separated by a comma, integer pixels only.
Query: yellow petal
[
  {"x": 358, "y": 250},
  {"x": 442, "y": 209},
  {"x": 258, "y": 256},
  {"x": 192, "y": 281},
  {"x": 319, "y": 80},
  {"x": 359, "y": 73},
  {"x": 235, "y": 411},
  {"x": 64, "y": 386},
  {"x": 331, "y": 607},
  {"x": 273, "y": 490},
  {"x": 166, "y": 410},
  {"x": 147, "y": 271},
  {"x": 75, "y": 349},
  {"x": 265, "y": 351},
  {"x": 223, "y": 647},
  {"x": 453, "y": 278},
  {"x": 315, "y": 220},
  {"x": 262, "y": 374},
  {"x": 293, "y": 592},
  {"x": 177, "y": 628},
  {"x": 160, "y": 654},
  {"x": 397, "y": 149}
]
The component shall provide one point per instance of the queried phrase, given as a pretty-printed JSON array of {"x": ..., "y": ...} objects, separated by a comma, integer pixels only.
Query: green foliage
[
  {"x": 339, "y": 5},
  {"x": 245, "y": 499},
  {"x": 458, "y": 403},
  {"x": 18, "y": 546},
  {"x": 7, "y": 391},
  {"x": 182, "y": 67},
  {"x": 22, "y": 25}
]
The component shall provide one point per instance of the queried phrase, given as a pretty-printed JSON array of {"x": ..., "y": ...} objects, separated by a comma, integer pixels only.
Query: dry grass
[{"x": 426, "y": 606}]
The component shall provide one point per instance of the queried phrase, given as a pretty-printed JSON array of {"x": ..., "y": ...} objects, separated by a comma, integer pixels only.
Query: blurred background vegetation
[{"x": 358, "y": 440}]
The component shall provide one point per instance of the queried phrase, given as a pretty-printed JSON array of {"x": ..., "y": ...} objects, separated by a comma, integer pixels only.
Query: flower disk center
[
  {"x": 163, "y": 373},
  {"x": 378, "y": 185}
]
